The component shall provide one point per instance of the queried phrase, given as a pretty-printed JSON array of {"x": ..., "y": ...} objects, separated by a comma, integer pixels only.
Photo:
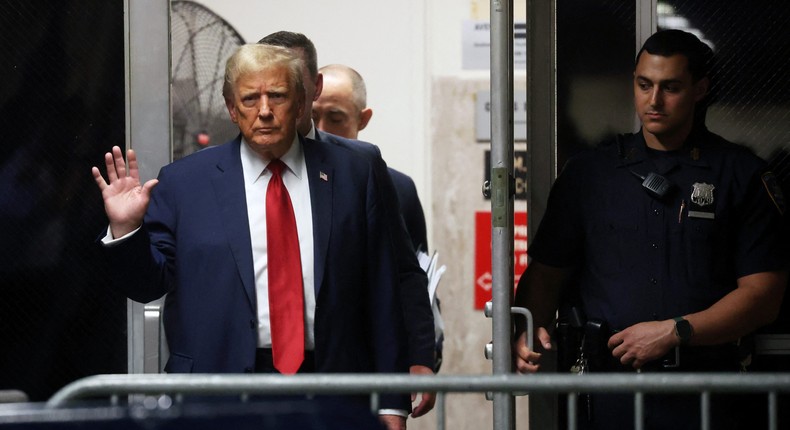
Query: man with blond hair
[{"x": 204, "y": 234}]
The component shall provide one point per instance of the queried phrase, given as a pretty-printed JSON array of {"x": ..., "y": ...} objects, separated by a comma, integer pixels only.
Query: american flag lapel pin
[{"x": 323, "y": 176}]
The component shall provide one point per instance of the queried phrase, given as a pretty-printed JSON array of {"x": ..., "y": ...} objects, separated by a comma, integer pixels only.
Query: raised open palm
[{"x": 125, "y": 199}]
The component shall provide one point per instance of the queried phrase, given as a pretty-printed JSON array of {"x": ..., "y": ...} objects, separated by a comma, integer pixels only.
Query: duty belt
[{"x": 718, "y": 358}]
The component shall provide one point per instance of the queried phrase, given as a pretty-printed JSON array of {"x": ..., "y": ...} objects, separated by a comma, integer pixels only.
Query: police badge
[{"x": 702, "y": 201}]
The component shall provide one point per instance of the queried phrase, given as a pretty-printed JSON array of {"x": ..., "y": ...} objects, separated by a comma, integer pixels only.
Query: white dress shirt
[{"x": 256, "y": 181}]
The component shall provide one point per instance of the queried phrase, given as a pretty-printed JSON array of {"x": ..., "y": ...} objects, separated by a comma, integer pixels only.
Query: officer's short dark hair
[
  {"x": 291, "y": 40},
  {"x": 670, "y": 42},
  {"x": 700, "y": 61}
]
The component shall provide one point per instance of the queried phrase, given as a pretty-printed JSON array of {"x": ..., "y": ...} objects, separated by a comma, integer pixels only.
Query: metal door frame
[
  {"x": 542, "y": 136},
  {"x": 148, "y": 132}
]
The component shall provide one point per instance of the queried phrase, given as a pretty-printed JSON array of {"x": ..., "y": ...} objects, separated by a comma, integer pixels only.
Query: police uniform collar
[
  {"x": 632, "y": 148},
  {"x": 695, "y": 147}
]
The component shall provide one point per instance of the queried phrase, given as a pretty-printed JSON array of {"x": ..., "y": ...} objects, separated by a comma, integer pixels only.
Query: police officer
[{"x": 671, "y": 236}]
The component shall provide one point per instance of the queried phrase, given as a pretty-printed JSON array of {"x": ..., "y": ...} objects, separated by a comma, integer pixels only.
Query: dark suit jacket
[
  {"x": 413, "y": 281},
  {"x": 197, "y": 250},
  {"x": 410, "y": 209}
]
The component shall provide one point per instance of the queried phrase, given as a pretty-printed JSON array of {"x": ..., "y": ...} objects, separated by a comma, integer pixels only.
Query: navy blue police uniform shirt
[{"x": 640, "y": 258}]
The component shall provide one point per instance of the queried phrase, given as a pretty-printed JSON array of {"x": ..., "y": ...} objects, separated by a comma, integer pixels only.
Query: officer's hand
[
  {"x": 643, "y": 342},
  {"x": 527, "y": 361}
]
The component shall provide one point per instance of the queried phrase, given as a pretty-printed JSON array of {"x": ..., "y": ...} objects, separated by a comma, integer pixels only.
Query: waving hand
[{"x": 125, "y": 199}]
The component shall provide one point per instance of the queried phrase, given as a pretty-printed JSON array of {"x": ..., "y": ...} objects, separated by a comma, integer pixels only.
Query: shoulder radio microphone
[{"x": 655, "y": 185}]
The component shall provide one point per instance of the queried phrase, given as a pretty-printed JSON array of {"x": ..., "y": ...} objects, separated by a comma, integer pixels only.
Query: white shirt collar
[
  {"x": 254, "y": 165},
  {"x": 312, "y": 132}
]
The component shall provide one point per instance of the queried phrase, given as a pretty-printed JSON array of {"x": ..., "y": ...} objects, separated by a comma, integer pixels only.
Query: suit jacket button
[
  {"x": 253, "y": 324},
  {"x": 248, "y": 370}
]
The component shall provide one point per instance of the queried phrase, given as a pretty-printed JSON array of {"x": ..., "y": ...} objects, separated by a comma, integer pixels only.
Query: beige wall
[{"x": 457, "y": 173}]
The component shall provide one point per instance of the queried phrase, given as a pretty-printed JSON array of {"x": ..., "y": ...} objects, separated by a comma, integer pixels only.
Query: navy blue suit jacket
[
  {"x": 197, "y": 250},
  {"x": 410, "y": 209},
  {"x": 413, "y": 281}
]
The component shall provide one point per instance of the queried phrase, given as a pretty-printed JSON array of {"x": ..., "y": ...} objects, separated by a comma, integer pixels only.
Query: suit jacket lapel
[
  {"x": 228, "y": 181},
  {"x": 320, "y": 176}
]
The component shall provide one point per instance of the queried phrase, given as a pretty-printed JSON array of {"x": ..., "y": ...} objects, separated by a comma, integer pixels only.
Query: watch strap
[{"x": 683, "y": 330}]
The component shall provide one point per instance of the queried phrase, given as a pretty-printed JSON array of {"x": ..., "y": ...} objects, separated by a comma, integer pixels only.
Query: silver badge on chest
[{"x": 702, "y": 194}]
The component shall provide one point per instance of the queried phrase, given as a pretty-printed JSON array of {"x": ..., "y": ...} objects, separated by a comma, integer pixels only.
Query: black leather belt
[
  {"x": 264, "y": 362},
  {"x": 724, "y": 358},
  {"x": 718, "y": 358}
]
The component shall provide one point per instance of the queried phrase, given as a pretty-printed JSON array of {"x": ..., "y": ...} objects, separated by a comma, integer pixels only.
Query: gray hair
[{"x": 253, "y": 57}]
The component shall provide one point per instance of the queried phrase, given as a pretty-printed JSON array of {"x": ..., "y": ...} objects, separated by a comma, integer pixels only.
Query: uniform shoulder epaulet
[
  {"x": 608, "y": 142},
  {"x": 616, "y": 143}
]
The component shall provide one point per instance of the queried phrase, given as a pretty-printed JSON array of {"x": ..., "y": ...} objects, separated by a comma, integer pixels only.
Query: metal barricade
[{"x": 179, "y": 385}]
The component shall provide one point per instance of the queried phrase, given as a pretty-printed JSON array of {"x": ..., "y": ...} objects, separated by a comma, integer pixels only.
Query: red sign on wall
[{"x": 483, "y": 253}]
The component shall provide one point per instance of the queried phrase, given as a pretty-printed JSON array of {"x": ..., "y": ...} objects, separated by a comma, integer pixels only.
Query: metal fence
[{"x": 177, "y": 386}]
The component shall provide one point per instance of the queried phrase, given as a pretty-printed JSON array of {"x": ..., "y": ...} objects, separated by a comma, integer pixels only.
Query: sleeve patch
[{"x": 774, "y": 191}]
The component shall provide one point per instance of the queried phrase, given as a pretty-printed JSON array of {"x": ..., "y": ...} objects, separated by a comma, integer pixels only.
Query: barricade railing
[{"x": 179, "y": 385}]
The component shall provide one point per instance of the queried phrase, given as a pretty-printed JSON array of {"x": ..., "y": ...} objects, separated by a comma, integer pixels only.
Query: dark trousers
[
  {"x": 662, "y": 412},
  {"x": 604, "y": 411},
  {"x": 264, "y": 363}
]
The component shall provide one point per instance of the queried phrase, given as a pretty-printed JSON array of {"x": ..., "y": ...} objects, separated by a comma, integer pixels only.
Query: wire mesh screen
[
  {"x": 61, "y": 108},
  {"x": 752, "y": 99},
  {"x": 595, "y": 52},
  {"x": 752, "y": 46},
  {"x": 201, "y": 43}
]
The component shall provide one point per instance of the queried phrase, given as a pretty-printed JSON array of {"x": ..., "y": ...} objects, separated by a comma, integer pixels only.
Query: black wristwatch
[{"x": 683, "y": 330}]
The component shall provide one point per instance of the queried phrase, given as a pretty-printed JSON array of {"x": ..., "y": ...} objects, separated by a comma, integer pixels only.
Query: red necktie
[{"x": 286, "y": 296}]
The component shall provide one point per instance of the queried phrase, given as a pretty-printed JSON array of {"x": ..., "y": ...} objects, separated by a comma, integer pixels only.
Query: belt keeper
[{"x": 672, "y": 365}]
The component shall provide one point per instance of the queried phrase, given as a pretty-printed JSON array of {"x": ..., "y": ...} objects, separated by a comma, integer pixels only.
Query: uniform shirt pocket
[
  {"x": 613, "y": 246},
  {"x": 703, "y": 262}
]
